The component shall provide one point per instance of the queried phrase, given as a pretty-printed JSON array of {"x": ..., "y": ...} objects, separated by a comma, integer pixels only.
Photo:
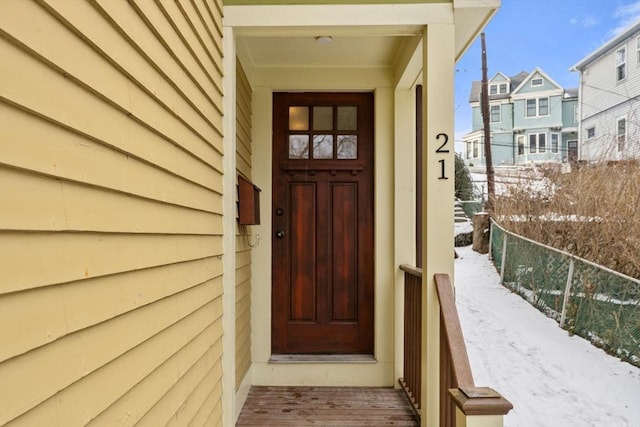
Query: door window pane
[
  {"x": 347, "y": 118},
  {"x": 322, "y": 118},
  {"x": 298, "y": 146},
  {"x": 323, "y": 147},
  {"x": 298, "y": 118},
  {"x": 347, "y": 146}
]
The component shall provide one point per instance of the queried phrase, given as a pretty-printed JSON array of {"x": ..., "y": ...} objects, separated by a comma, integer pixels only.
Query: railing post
[{"x": 479, "y": 407}]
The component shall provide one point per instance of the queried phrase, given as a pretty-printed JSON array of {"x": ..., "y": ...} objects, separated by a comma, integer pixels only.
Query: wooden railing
[
  {"x": 457, "y": 388},
  {"x": 411, "y": 380}
]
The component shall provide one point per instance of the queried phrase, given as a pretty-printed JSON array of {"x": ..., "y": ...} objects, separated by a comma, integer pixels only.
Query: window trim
[
  {"x": 535, "y": 149},
  {"x": 555, "y": 149},
  {"x": 540, "y": 79},
  {"x": 621, "y": 65},
  {"x": 575, "y": 114},
  {"x": 537, "y": 107},
  {"x": 499, "y": 108},
  {"x": 520, "y": 139},
  {"x": 593, "y": 133},
  {"x": 621, "y": 138},
  {"x": 498, "y": 88}
]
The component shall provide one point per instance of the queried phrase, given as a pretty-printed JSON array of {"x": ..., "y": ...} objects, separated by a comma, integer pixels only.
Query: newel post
[{"x": 479, "y": 407}]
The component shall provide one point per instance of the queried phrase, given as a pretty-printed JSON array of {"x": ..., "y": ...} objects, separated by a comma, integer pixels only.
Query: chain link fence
[{"x": 586, "y": 299}]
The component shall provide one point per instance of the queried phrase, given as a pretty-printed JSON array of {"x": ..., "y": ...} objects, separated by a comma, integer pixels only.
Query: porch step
[{"x": 326, "y": 406}]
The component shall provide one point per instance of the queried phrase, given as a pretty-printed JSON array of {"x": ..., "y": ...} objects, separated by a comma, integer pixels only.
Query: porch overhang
[{"x": 379, "y": 29}]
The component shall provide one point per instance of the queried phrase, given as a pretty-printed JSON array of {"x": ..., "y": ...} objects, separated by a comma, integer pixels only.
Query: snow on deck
[{"x": 552, "y": 379}]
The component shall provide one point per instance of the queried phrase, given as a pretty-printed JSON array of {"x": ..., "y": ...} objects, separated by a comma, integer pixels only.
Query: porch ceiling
[{"x": 349, "y": 48}]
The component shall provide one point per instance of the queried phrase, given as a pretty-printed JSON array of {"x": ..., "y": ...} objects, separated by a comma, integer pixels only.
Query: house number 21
[{"x": 442, "y": 150}]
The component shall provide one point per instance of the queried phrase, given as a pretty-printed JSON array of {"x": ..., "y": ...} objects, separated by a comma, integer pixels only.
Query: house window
[
  {"x": 533, "y": 146},
  {"x": 543, "y": 106},
  {"x": 638, "y": 48},
  {"x": 555, "y": 142},
  {"x": 537, "y": 143},
  {"x": 575, "y": 114},
  {"x": 495, "y": 113},
  {"x": 621, "y": 63},
  {"x": 497, "y": 88},
  {"x": 469, "y": 149},
  {"x": 537, "y": 107},
  {"x": 532, "y": 108},
  {"x": 536, "y": 82},
  {"x": 591, "y": 132},
  {"x": 520, "y": 140},
  {"x": 621, "y": 132},
  {"x": 475, "y": 149},
  {"x": 542, "y": 143}
]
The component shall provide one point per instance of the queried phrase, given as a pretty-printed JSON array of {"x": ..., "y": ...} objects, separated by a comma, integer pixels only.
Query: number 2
[{"x": 441, "y": 149}]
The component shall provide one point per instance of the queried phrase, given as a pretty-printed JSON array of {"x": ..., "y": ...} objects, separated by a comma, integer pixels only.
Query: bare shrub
[{"x": 592, "y": 212}]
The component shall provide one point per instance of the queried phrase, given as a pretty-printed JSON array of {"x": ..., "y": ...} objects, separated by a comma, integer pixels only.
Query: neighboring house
[
  {"x": 610, "y": 99},
  {"x": 532, "y": 120},
  {"x": 130, "y": 294}
]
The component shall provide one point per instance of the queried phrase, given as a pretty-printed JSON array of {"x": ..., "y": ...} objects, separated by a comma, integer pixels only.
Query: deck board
[{"x": 326, "y": 406}]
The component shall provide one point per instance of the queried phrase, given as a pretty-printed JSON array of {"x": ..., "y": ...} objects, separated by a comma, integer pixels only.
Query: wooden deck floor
[{"x": 326, "y": 406}]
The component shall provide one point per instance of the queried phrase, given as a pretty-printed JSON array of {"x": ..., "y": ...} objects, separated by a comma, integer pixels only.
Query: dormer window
[
  {"x": 497, "y": 88},
  {"x": 537, "y": 82}
]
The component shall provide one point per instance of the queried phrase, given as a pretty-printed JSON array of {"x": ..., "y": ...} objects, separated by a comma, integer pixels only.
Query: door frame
[{"x": 289, "y": 338}]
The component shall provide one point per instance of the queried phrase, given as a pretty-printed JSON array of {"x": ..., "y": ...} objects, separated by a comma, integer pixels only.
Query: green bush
[{"x": 464, "y": 186}]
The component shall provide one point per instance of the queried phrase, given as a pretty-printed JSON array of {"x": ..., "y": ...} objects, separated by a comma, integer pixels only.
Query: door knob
[{"x": 280, "y": 234}]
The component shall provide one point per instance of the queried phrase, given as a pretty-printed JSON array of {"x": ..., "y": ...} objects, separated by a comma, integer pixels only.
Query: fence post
[
  {"x": 567, "y": 291},
  {"x": 504, "y": 254},
  {"x": 490, "y": 239}
]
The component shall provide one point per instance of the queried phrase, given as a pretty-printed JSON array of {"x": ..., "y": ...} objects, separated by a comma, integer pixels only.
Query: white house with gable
[{"x": 610, "y": 99}]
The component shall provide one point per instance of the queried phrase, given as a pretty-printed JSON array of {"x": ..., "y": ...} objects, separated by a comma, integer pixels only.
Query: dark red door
[{"x": 323, "y": 253}]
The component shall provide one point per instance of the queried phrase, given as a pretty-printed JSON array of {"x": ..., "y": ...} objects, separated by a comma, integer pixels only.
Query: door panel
[{"x": 323, "y": 281}]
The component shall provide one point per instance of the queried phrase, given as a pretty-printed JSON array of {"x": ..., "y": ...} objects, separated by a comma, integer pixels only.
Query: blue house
[{"x": 532, "y": 120}]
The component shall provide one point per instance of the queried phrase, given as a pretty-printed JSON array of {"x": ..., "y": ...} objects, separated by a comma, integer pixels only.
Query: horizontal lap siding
[
  {"x": 110, "y": 213},
  {"x": 243, "y": 248}
]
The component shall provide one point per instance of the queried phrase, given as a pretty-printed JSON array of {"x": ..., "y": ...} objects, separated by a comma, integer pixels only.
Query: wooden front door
[{"x": 323, "y": 253}]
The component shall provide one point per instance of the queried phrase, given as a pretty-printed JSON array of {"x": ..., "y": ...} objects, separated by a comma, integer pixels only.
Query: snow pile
[{"x": 552, "y": 379}]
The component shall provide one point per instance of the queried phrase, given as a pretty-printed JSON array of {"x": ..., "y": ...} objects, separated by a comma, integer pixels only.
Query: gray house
[
  {"x": 532, "y": 120},
  {"x": 610, "y": 99}
]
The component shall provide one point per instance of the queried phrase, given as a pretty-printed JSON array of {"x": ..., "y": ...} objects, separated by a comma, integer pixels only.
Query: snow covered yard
[{"x": 552, "y": 379}]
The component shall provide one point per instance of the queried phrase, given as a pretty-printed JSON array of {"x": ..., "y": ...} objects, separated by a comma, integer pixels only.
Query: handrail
[
  {"x": 453, "y": 332},
  {"x": 459, "y": 384},
  {"x": 457, "y": 388}
]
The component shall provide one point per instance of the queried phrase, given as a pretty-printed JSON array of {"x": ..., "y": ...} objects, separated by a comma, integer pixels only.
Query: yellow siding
[
  {"x": 110, "y": 213},
  {"x": 243, "y": 250}
]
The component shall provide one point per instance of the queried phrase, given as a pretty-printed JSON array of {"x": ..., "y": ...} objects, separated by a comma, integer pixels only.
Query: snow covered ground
[{"x": 552, "y": 379}]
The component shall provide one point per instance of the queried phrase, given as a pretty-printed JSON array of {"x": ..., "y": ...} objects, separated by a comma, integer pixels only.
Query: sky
[
  {"x": 552, "y": 379},
  {"x": 551, "y": 34}
]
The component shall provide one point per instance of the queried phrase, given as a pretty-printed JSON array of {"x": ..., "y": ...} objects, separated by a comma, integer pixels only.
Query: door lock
[{"x": 280, "y": 234}]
